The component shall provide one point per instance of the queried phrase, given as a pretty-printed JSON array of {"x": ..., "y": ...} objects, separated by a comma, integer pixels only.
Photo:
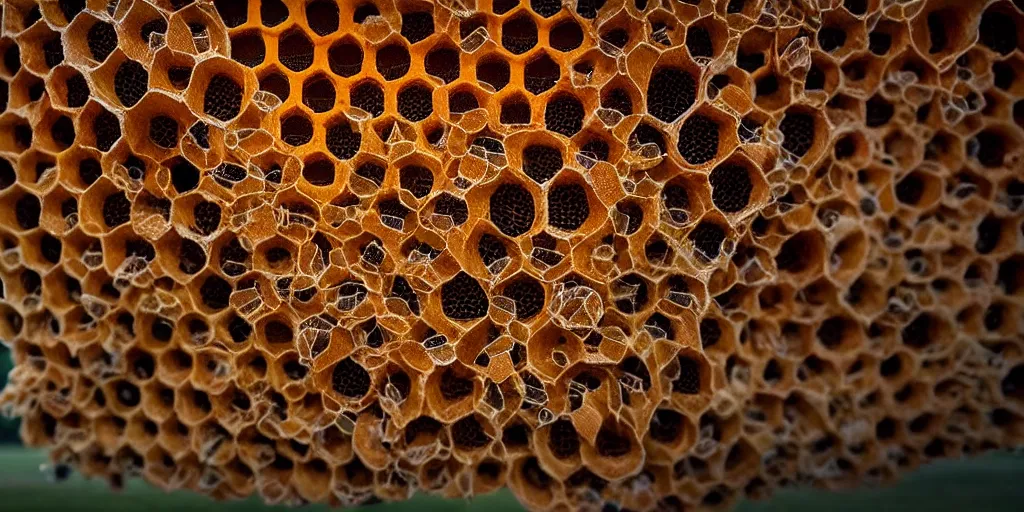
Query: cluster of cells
[{"x": 638, "y": 254}]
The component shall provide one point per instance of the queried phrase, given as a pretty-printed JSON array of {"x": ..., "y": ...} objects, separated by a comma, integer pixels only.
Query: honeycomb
[{"x": 649, "y": 254}]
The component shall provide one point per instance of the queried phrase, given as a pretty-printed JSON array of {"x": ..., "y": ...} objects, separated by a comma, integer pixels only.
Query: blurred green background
[{"x": 993, "y": 483}]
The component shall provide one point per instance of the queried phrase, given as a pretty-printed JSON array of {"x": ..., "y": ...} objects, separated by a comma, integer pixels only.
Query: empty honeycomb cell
[
  {"x": 53, "y": 52},
  {"x": 222, "y": 98},
  {"x": 153, "y": 26},
  {"x": 350, "y": 379},
  {"x": 921, "y": 331},
  {"x": 910, "y": 189},
  {"x": 707, "y": 239},
  {"x": 689, "y": 380},
  {"x": 89, "y": 170},
  {"x": 272, "y": 12},
  {"x": 26, "y": 211},
  {"x": 179, "y": 76},
  {"x": 323, "y": 17},
  {"x": 443, "y": 63},
  {"x": 618, "y": 99},
  {"x": 295, "y": 50},
  {"x": 710, "y": 332},
  {"x": 798, "y": 132},
  {"x": 616, "y": 37},
  {"x": 7, "y": 175},
  {"x": 62, "y": 131},
  {"x": 393, "y": 209},
  {"x": 296, "y": 130},
  {"x": 131, "y": 81},
  {"x": 989, "y": 233},
  {"x": 634, "y": 293},
  {"x": 184, "y": 175},
  {"x": 368, "y": 96},
  {"x": 564, "y": 114},
  {"x": 400, "y": 288},
  {"x": 393, "y": 61},
  {"x": 879, "y": 112},
  {"x": 415, "y": 102},
  {"x": 207, "y": 217},
  {"x": 527, "y": 294},
  {"x": 345, "y": 58},
  {"x": 541, "y": 162},
  {"x": 372, "y": 172},
  {"x": 519, "y": 34},
  {"x": 698, "y": 139},
  {"x": 453, "y": 207},
  {"x": 699, "y": 43},
  {"x": 417, "y": 179},
  {"x": 634, "y": 214},
  {"x": 231, "y": 12},
  {"x": 991, "y": 148},
  {"x": 191, "y": 257},
  {"x": 319, "y": 172},
  {"x": 645, "y": 134},
  {"x": 491, "y": 249},
  {"x": 462, "y": 298},
  {"x": 998, "y": 32},
  {"x": 515, "y": 111},
  {"x": 318, "y": 94},
  {"x": 102, "y": 40},
  {"x": 116, "y": 209},
  {"x": 563, "y": 440},
  {"x": 831, "y": 38},
  {"x": 541, "y": 74},
  {"x": 248, "y": 49},
  {"x": 468, "y": 433},
  {"x": 670, "y": 93},
  {"x": 417, "y": 26},
  {"x": 200, "y": 132},
  {"x": 676, "y": 200},
  {"x": 730, "y": 187},
  {"x": 163, "y": 131},
  {"x": 568, "y": 206},
  {"x": 493, "y": 71}
]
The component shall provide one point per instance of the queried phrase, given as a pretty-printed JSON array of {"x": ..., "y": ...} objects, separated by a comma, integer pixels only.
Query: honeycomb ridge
[{"x": 644, "y": 254}]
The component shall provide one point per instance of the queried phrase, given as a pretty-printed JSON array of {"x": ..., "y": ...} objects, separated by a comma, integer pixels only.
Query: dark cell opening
[
  {"x": 462, "y": 298},
  {"x": 698, "y": 139},
  {"x": 393, "y": 61},
  {"x": 730, "y": 187},
  {"x": 323, "y": 16},
  {"x": 163, "y": 131},
  {"x": 248, "y": 49},
  {"x": 319, "y": 172},
  {"x": 223, "y": 98},
  {"x": 295, "y": 50},
  {"x": 416, "y": 179},
  {"x": 670, "y": 93},
  {"x": 368, "y": 96},
  {"x": 443, "y": 63},
  {"x": 296, "y": 130},
  {"x": 102, "y": 40},
  {"x": 350, "y": 379},
  {"x": 566, "y": 36},
  {"x": 131, "y": 81},
  {"x": 564, "y": 115},
  {"x": 417, "y": 26},
  {"x": 519, "y": 35},
  {"x": 346, "y": 58},
  {"x": 415, "y": 102}
]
